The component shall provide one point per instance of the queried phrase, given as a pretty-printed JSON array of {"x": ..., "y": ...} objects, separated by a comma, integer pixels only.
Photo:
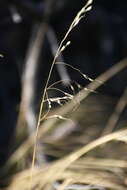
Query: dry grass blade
[
  {"x": 99, "y": 180},
  {"x": 101, "y": 163},
  {"x": 64, "y": 185},
  {"x": 60, "y": 166},
  {"x": 116, "y": 114}
]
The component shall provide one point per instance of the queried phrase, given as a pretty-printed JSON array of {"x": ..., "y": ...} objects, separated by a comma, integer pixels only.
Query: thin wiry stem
[
  {"x": 76, "y": 20},
  {"x": 47, "y": 12}
]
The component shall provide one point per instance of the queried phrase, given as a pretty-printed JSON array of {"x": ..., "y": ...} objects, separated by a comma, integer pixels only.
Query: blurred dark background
[{"x": 98, "y": 42}]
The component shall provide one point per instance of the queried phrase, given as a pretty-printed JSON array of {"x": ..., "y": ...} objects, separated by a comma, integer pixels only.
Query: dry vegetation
[{"x": 78, "y": 134}]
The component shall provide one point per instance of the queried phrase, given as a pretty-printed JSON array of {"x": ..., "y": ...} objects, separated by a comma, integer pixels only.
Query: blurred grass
[{"x": 81, "y": 158}]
